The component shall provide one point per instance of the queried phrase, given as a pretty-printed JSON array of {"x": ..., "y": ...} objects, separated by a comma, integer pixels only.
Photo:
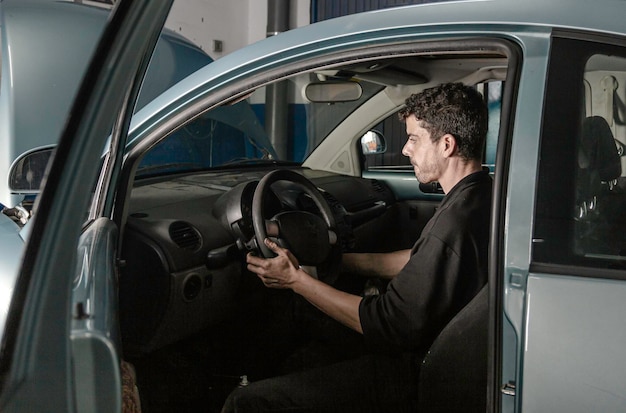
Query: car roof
[
  {"x": 599, "y": 16},
  {"x": 469, "y": 16},
  {"x": 46, "y": 46}
]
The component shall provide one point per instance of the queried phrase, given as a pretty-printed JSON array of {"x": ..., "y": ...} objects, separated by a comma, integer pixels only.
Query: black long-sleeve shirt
[{"x": 447, "y": 268}]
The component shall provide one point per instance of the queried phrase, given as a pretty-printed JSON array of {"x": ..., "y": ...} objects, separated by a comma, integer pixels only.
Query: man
[{"x": 446, "y": 127}]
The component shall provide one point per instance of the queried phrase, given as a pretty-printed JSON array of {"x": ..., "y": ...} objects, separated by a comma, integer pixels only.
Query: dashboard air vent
[{"x": 185, "y": 236}]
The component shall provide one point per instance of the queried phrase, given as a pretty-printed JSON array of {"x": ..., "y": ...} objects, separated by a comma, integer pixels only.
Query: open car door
[{"x": 43, "y": 368}]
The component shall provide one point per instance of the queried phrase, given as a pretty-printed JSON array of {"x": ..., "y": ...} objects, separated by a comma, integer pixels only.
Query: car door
[
  {"x": 44, "y": 367},
  {"x": 573, "y": 333}
]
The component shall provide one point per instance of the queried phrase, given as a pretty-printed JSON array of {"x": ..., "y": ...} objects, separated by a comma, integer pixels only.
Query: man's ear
[{"x": 449, "y": 146}]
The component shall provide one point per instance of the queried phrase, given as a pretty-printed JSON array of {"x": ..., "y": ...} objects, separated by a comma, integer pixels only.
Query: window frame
[{"x": 569, "y": 53}]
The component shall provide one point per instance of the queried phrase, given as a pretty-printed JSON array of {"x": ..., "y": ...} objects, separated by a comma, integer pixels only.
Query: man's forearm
[
  {"x": 384, "y": 265},
  {"x": 337, "y": 304}
]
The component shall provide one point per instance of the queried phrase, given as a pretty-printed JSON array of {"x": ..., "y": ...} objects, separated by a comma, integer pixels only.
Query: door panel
[
  {"x": 95, "y": 339},
  {"x": 573, "y": 355}
]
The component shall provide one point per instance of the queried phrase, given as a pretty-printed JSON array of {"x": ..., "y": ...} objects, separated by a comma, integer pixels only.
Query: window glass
[
  {"x": 581, "y": 196},
  {"x": 395, "y": 134},
  {"x": 493, "y": 92},
  {"x": 286, "y": 121},
  {"x": 275, "y": 124}
]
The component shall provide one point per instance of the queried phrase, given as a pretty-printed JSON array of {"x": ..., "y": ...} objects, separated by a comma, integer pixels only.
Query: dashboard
[{"x": 186, "y": 237}]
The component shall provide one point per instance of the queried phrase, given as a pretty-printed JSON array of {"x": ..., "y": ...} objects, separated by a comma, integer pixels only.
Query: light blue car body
[
  {"x": 46, "y": 47},
  {"x": 562, "y": 336},
  {"x": 580, "y": 377}
]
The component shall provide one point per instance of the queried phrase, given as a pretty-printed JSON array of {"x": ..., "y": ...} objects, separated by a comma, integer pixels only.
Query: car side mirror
[
  {"x": 373, "y": 143},
  {"x": 28, "y": 170}
]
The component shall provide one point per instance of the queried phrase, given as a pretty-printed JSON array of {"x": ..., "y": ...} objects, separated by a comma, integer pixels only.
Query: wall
[
  {"x": 326, "y": 9},
  {"x": 235, "y": 23}
]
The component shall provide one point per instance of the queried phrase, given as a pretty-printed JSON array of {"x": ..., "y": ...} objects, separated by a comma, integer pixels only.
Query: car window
[
  {"x": 393, "y": 130},
  {"x": 582, "y": 184},
  {"x": 266, "y": 127}
]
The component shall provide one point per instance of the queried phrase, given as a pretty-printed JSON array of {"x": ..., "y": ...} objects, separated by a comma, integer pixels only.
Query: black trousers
[
  {"x": 319, "y": 365},
  {"x": 369, "y": 383}
]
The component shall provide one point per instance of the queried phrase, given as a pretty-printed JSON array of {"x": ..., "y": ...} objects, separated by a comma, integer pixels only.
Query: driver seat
[{"x": 453, "y": 375}]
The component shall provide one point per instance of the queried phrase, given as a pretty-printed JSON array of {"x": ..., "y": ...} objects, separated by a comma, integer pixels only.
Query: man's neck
[{"x": 456, "y": 171}]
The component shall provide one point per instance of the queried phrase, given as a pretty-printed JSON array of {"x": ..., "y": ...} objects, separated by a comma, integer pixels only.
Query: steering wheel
[{"x": 310, "y": 238}]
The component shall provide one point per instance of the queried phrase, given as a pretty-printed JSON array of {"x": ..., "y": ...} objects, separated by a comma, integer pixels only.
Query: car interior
[{"x": 193, "y": 319}]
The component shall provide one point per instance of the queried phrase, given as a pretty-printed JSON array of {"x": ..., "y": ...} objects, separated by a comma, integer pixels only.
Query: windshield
[{"x": 275, "y": 124}]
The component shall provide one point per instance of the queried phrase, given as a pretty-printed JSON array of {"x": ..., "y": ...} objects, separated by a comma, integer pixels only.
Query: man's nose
[{"x": 405, "y": 150}]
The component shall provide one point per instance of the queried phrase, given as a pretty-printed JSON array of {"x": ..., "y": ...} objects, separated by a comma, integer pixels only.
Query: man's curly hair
[{"x": 455, "y": 109}]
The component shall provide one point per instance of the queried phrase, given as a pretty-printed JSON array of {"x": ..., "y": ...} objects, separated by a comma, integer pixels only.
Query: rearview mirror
[
  {"x": 28, "y": 170},
  {"x": 333, "y": 91}
]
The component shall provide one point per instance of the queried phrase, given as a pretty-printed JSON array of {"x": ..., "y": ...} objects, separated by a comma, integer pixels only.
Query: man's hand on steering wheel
[{"x": 280, "y": 271}]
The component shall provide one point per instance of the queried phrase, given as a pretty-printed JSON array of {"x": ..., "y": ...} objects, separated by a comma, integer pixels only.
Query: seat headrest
[{"x": 598, "y": 151}]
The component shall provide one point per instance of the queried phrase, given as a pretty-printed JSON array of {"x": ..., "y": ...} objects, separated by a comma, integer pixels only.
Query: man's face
[{"x": 425, "y": 156}]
